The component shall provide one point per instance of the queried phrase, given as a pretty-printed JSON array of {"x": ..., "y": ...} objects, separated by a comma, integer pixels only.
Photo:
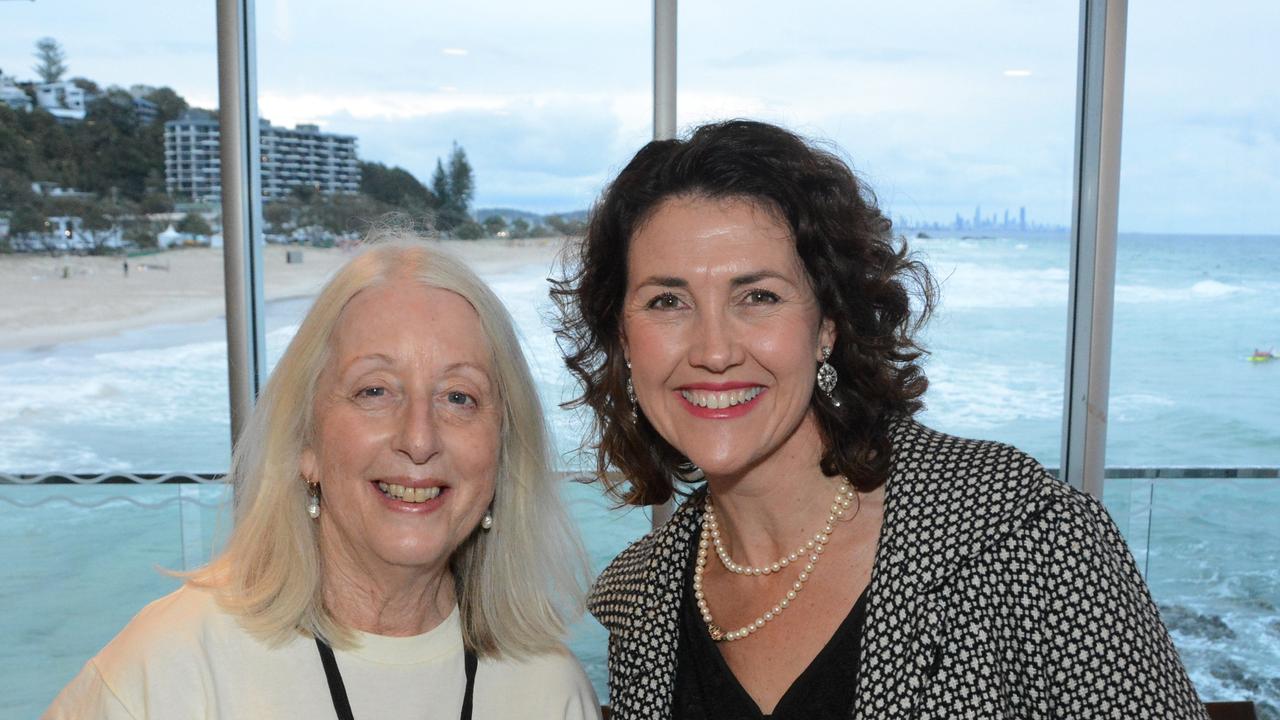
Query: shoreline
[{"x": 50, "y": 301}]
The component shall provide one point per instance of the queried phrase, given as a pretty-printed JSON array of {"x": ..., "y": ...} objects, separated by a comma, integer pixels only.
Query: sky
[{"x": 941, "y": 107}]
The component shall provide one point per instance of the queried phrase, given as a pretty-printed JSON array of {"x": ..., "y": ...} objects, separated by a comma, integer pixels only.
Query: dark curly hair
[{"x": 863, "y": 279}]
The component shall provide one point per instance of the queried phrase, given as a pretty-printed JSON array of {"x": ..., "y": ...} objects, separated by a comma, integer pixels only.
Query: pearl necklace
[{"x": 710, "y": 537}]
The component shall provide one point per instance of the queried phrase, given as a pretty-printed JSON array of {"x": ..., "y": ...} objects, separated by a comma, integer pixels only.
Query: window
[
  {"x": 1197, "y": 272},
  {"x": 112, "y": 344},
  {"x": 961, "y": 121},
  {"x": 543, "y": 103}
]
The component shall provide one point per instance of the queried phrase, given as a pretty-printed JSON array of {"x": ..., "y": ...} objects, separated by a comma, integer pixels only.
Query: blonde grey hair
[{"x": 518, "y": 585}]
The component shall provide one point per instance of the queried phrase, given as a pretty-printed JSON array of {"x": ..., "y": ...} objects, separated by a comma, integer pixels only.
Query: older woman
[
  {"x": 400, "y": 550},
  {"x": 740, "y": 313}
]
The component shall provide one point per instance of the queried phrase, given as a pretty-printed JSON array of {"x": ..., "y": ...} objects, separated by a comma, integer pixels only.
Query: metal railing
[{"x": 125, "y": 478}]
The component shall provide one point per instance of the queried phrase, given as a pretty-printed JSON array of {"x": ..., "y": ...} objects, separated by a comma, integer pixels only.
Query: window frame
[{"x": 1098, "y": 118}]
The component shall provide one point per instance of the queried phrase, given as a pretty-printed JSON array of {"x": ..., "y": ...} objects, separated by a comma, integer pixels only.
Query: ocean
[{"x": 79, "y": 561}]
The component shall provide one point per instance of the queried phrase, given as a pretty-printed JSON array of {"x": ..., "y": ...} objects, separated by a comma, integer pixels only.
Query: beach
[{"x": 46, "y": 301}]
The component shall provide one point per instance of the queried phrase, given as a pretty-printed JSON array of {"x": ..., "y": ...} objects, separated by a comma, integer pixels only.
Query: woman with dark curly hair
[{"x": 740, "y": 315}]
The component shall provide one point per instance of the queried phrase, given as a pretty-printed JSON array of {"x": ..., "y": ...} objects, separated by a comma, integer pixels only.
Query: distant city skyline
[
  {"x": 936, "y": 112},
  {"x": 1018, "y": 221}
]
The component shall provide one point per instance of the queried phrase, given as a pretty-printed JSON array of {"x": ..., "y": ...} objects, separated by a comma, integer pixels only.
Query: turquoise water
[{"x": 79, "y": 561}]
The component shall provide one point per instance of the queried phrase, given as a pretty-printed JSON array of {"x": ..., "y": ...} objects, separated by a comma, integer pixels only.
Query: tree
[
  {"x": 112, "y": 147},
  {"x": 156, "y": 202},
  {"x": 394, "y": 186},
  {"x": 194, "y": 224},
  {"x": 89, "y": 87},
  {"x": 462, "y": 184},
  {"x": 469, "y": 230},
  {"x": 141, "y": 235},
  {"x": 494, "y": 224},
  {"x": 520, "y": 228},
  {"x": 26, "y": 220},
  {"x": 50, "y": 60},
  {"x": 111, "y": 154},
  {"x": 453, "y": 190},
  {"x": 557, "y": 223},
  {"x": 15, "y": 190},
  {"x": 303, "y": 193},
  {"x": 98, "y": 225},
  {"x": 280, "y": 215},
  {"x": 566, "y": 227},
  {"x": 440, "y": 184},
  {"x": 169, "y": 106}
]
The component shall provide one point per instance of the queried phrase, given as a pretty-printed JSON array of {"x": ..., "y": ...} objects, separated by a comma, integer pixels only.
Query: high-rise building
[
  {"x": 192, "y": 159},
  {"x": 307, "y": 157},
  {"x": 301, "y": 157}
]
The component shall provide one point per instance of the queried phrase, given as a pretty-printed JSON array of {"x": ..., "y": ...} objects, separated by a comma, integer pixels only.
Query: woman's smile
[
  {"x": 720, "y": 400},
  {"x": 412, "y": 496}
]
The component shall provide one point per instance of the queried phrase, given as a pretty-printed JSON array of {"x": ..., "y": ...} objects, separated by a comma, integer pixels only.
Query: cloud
[
  {"x": 293, "y": 108},
  {"x": 1251, "y": 128},
  {"x": 550, "y": 103},
  {"x": 546, "y": 153}
]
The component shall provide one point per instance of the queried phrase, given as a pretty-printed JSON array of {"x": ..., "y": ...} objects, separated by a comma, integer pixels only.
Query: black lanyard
[{"x": 338, "y": 691}]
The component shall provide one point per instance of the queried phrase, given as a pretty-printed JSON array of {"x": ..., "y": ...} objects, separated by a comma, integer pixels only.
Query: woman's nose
[
  {"x": 418, "y": 438},
  {"x": 715, "y": 344}
]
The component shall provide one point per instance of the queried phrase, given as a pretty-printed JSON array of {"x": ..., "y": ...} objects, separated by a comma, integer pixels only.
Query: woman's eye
[
  {"x": 457, "y": 397},
  {"x": 665, "y": 301},
  {"x": 762, "y": 297},
  {"x": 376, "y": 391}
]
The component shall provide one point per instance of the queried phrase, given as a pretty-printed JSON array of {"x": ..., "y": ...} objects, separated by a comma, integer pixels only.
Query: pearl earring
[
  {"x": 313, "y": 500},
  {"x": 486, "y": 522}
]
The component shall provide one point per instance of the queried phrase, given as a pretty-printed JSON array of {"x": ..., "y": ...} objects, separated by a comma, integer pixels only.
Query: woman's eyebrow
[
  {"x": 665, "y": 281},
  {"x": 468, "y": 366},
  {"x": 379, "y": 358},
  {"x": 757, "y": 276}
]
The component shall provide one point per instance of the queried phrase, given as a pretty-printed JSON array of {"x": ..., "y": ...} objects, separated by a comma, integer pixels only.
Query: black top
[{"x": 706, "y": 688}]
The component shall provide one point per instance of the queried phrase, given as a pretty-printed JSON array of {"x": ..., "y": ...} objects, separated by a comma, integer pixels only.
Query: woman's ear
[
  {"x": 307, "y": 465},
  {"x": 826, "y": 334}
]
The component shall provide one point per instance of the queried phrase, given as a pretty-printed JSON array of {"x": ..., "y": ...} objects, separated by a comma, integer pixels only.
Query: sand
[{"x": 45, "y": 301}]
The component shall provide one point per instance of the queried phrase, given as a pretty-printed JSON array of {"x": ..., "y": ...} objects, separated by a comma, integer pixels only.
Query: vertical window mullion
[
  {"x": 1099, "y": 113},
  {"x": 664, "y": 122},
  {"x": 241, "y": 206}
]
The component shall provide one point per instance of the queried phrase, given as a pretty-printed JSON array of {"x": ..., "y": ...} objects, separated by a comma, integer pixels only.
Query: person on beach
[
  {"x": 742, "y": 323},
  {"x": 400, "y": 548}
]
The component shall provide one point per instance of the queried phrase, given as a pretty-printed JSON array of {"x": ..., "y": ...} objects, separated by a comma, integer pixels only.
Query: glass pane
[
  {"x": 1213, "y": 576},
  {"x": 1198, "y": 270},
  {"x": 961, "y": 121},
  {"x": 112, "y": 343},
  {"x": 544, "y": 101},
  {"x": 111, "y": 334},
  {"x": 79, "y": 562}
]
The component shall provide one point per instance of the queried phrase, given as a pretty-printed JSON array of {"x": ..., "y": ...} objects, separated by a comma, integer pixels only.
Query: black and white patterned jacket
[{"x": 997, "y": 592}]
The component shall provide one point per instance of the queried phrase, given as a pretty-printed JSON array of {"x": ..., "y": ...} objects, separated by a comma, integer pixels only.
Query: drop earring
[
  {"x": 486, "y": 522},
  {"x": 313, "y": 500},
  {"x": 631, "y": 392},
  {"x": 827, "y": 377}
]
